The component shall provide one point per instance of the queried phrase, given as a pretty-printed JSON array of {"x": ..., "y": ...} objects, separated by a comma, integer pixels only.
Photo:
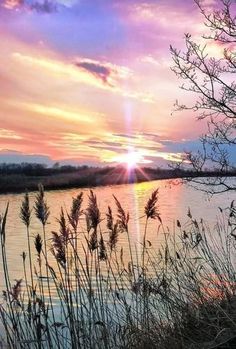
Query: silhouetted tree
[{"x": 212, "y": 82}]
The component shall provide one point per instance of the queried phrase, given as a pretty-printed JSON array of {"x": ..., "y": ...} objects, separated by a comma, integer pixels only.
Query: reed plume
[
  {"x": 25, "y": 215},
  {"x": 102, "y": 250},
  {"x": 113, "y": 229},
  {"x": 123, "y": 218},
  {"x": 93, "y": 212},
  {"x": 178, "y": 223},
  {"x": 93, "y": 218},
  {"x": 41, "y": 208},
  {"x": 151, "y": 210},
  {"x": 25, "y": 212},
  {"x": 38, "y": 243},
  {"x": 75, "y": 211},
  {"x": 93, "y": 241},
  {"x": 109, "y": 219},
  {"x": 113, "y": 236},
  {"x": 60, "y": 240},
  {"x": 88, "y": 223},
  {"x": 59, "y": 248},
  {"x": 16, "y": 290},
  {"x": 14, "y": 293},
  {"x": 63, "y": 228}
]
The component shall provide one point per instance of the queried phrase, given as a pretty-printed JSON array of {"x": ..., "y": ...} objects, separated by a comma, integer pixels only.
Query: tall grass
[{"x": 85, "y": 291}]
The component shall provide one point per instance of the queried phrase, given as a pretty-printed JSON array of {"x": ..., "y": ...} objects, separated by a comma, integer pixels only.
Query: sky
[{"x": 89, "y": 81}]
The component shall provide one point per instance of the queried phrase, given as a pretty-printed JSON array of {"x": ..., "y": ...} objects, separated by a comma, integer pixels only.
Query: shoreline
[
  {"x": 89, "y": 186},
  {"x": 17, "y": 184}
]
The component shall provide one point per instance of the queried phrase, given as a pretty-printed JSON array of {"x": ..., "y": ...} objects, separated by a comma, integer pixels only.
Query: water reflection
[{"x": 174, "y": 201}]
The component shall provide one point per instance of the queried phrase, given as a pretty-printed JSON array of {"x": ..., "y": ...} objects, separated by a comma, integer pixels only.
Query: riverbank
[{"x": 82, "y": 177}]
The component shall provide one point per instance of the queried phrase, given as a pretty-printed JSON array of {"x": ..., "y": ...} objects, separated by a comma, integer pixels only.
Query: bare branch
[{"x": 212, "y": 83}]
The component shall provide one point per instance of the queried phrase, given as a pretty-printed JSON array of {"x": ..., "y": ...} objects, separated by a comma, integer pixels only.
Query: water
[{"x": 174, "y": 201}]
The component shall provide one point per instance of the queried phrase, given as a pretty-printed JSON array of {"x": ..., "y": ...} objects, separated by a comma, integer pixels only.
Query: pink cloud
[{"x": 12, "y": 4}]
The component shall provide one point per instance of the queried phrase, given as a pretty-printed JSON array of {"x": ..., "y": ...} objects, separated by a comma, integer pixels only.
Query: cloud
[
  {"x": 117, "y": 146},
  {"x": 8, "y": 134},
  {"x": 86, "y": 74},
  {"x": 98, "y": 70},
  {"x": 100, "y": 143},
  {"x": 103, "y": 148},
  {"x": 208, "y": 3},
  {"x": 151, "y": 136},
  {"x": 16, "y": 157},
  {"x": 110, "y": 74},
  {"x": 40, "y": 6},
  {"x": 12, "y": 4},
  {"x": 45, "y": 6},
  {"x": 55, "y": 111},
  {"x": 161, "y": 62},
  {"x": 68, "y": 3},
  {"x": 125, "y": 135}
]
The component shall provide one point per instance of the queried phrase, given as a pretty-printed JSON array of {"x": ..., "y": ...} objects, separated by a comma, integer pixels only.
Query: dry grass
[{"x": 82, "y": 293}]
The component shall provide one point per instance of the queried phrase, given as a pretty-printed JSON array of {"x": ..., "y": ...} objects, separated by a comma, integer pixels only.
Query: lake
[{"x": 174, "y": 201}]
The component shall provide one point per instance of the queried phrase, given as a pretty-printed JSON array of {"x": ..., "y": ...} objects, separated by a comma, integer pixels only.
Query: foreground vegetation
[{"x": 87, "y": 289}]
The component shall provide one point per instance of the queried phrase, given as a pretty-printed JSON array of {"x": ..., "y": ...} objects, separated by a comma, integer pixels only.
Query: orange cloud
[
  {"x": 56, "y": 112},
  {"x": 9, "y": 134},
  {"x": 12, "y": 4}
]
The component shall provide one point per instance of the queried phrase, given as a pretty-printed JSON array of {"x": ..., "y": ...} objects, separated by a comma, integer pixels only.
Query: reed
[{"x": 86, "y": 290}]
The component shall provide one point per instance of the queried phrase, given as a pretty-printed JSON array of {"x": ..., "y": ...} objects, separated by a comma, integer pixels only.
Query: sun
[{"x": 130, "y": 159}]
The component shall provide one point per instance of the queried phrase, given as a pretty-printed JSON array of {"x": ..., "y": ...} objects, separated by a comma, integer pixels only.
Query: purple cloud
[
  {"x": 102, "y": 143},
  {"x": 45, "y": 6},
  {"x": 40, "y": 6},
  {"x": 99, "y": 70},
  {"x": 125, "y": 135}
]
